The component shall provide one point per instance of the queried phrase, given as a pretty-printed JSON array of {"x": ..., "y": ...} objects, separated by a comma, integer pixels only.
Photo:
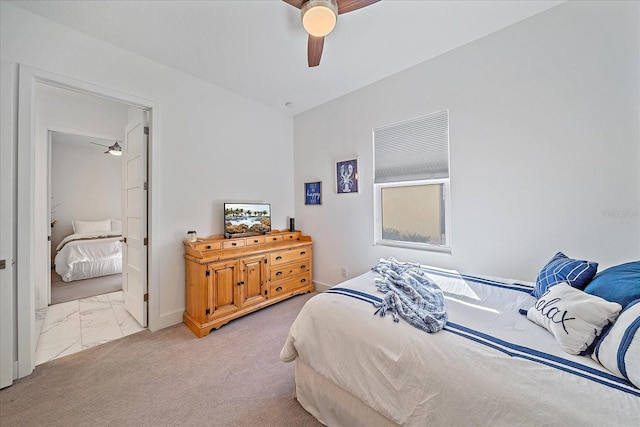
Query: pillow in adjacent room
[
  {"x": 620, "y": 283},
  {"x": 577, "y": 273},
  {"x": 619, "y": 348},
  {"x": 116, "y": 225},
  {"x": 574, "y": 318},
  {"x": 91, "y": 227}
]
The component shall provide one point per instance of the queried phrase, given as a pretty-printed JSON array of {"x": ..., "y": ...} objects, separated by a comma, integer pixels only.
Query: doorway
[
  {"x": 31, "y": 222},
  {"x": 86, "y": 302}
]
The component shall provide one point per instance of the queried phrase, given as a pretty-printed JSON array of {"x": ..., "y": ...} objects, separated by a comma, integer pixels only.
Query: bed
[
  {"x": 93, "y": 250},
  {"x": 489, "y": 366}
]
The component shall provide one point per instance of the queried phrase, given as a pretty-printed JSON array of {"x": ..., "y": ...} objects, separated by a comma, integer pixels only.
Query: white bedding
[
  {"x": 489, "y": 366},
  {"x": 83, "y": 256}
]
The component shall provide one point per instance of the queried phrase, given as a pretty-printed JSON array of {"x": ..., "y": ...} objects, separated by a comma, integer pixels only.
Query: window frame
[
  {"x": 401, "y": 143},
  {"x": 446, "y": 194}
]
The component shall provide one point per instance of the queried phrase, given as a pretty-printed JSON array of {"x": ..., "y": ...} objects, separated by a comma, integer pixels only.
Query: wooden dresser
[{"x": 228, "y": 278}]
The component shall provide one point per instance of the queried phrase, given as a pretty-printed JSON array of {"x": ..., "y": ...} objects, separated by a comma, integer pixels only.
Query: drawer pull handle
[
  {"x": 208, "y": 246},
  {"x": 255, "y": 241},
  {"x": 279, "y": 273},
  {"x": 233, "y": 244},
  {"x": 279, "y": 288},
  {"x": 278, "y": 258},
  {"x": 303, "y": 280},
  {"x": 303, "y": 266},
  {"x": 302, "y": 252}
]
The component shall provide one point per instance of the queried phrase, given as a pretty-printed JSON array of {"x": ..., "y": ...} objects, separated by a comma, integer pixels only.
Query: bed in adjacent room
[
  {"x": 489, "y": 364},
  {"x": 93, "y": 250}
]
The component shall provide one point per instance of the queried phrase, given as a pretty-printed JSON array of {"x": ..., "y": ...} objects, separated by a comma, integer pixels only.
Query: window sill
[{"x": 416, "y": 246}]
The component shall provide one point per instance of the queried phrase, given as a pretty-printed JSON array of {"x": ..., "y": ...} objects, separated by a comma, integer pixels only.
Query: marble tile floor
[{"x": 73, "y": 326}]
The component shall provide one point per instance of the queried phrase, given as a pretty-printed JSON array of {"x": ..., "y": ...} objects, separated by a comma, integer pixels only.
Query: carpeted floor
[
  {"x": 71, "y": 291},
  {"x": 232, "y": 377}
]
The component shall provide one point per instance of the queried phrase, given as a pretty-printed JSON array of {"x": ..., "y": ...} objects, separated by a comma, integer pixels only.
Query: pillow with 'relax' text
[{"x": 573, "y": 317}]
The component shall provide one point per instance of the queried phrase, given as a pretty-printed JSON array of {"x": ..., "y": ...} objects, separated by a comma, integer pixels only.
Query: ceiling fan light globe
[
  {"x": 319, "y": 17},
  {"x": 115, "y": 149}
]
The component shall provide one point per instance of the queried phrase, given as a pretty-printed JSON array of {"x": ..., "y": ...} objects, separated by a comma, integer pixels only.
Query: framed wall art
[
  {"x": 347, "y": 176},
  {"x": 313, "y": 193}
]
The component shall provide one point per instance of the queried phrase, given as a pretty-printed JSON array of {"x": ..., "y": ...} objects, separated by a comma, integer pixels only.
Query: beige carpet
[
  {"x": 233, "y": 377},
  {"x": 71, "y": 291}
]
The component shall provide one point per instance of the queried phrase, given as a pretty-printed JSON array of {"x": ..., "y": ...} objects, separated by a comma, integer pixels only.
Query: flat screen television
[{"x": 242, "y": 219}]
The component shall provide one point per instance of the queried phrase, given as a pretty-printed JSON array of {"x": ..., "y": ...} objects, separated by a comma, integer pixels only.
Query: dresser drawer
[
  {"x": 252, "y": 241},
  {"x": 232, "y": 244},
  {"x": 286, "y": 286},
  {"x": 287, "y": 270},
  {"x": 274, "y": 238},
  {"x": 207, "y": 246},
  {"x": 285, "y": 257}
]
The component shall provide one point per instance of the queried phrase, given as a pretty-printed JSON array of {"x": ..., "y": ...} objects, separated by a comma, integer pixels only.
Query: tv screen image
[{"x": 246, "y": 218}]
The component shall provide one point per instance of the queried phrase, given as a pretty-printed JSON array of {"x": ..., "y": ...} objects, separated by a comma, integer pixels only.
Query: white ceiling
[
  {"x": 258, "y": 48},
  {"x": 73, "y": 139}
]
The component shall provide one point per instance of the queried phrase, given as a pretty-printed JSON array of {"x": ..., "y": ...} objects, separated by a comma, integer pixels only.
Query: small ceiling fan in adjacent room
[
  {"x": 319, "y": 18},
  {"x": 114, "y": 149}
]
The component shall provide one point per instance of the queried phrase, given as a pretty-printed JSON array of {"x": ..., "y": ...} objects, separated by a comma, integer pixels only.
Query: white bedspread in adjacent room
[
  {"x": 82, "y": 256},
  {"x": 489, "y": 366}
]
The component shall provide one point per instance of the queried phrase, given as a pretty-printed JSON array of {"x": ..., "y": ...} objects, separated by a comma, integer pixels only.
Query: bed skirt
[{"x": 332, "y": 405}]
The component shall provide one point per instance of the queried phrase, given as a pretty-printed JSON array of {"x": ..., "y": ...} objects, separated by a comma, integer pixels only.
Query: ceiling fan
[
  {"x": 114, "y": 149},
  {"x": 319, "y": 18}
]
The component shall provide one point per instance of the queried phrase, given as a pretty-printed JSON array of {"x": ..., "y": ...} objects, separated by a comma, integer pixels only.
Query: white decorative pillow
[
  {"x": 90, "y": 227},
  {"x": 573, "y": 317},
  {"x": 619, "y": 348},
  {"x": 116, "y": 225}
]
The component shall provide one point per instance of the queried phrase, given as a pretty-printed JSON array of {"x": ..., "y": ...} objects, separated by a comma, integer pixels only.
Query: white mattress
[
  {"x": 87, "y": 256},
  {"x": 489, "y": 366}
]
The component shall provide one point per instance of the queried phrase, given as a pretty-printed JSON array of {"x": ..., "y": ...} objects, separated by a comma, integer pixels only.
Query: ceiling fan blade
[
  {"x": 314, "y": 50},
  {"x": 295, "y": 3},
  {"x": 95, "y": 143},
  {"x": 345, "y": 6}
]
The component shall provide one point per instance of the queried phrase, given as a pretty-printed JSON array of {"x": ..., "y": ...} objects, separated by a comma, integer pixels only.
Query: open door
[{"x": 134, "y": 218}]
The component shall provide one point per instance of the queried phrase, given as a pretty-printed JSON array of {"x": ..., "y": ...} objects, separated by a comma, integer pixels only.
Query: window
[{"x": 411, "y": 183}]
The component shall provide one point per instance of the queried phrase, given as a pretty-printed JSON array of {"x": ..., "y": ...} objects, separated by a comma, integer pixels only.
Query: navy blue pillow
[
  {"x": 577, "y": 273},
  {"x": 620, "y": 283}
]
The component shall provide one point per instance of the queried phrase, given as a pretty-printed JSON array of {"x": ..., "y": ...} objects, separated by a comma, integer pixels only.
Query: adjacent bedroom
[{"x": 86, "y": 227}]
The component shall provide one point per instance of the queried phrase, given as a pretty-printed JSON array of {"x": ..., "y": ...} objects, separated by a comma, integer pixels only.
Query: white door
[
  {"x": 134, "y": 224},
  {"x": 7, "y": 184}
]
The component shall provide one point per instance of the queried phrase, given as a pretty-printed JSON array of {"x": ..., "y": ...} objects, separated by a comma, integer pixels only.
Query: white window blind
[{"x": 413, "y": 150}]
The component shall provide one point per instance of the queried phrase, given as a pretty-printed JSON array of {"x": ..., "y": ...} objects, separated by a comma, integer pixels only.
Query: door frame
[{"x": 31, "y": 225}]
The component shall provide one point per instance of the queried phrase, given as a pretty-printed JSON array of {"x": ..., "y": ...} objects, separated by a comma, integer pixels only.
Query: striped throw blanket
[{"x": 410, "y": 294}]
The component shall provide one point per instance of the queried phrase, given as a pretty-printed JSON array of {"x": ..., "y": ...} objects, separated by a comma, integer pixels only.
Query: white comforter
[
  {"x": 489, "y": 366},
  {"x": 82, "y": 256}
]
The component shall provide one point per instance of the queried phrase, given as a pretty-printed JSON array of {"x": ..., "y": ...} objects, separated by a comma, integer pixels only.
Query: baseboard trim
[
  {"x": 166, "y": 320},
  {"x": 321, "y": 287}
]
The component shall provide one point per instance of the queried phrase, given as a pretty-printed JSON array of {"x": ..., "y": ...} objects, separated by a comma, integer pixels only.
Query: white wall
[
  {"x": 210, "y": 146},
  {"x": 544, "y": 141}
]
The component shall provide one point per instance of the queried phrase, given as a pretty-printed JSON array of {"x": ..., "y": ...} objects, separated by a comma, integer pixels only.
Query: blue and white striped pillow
[
  {"x": 577, "y": 273},
  {"x": 618, "y": 349}
]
